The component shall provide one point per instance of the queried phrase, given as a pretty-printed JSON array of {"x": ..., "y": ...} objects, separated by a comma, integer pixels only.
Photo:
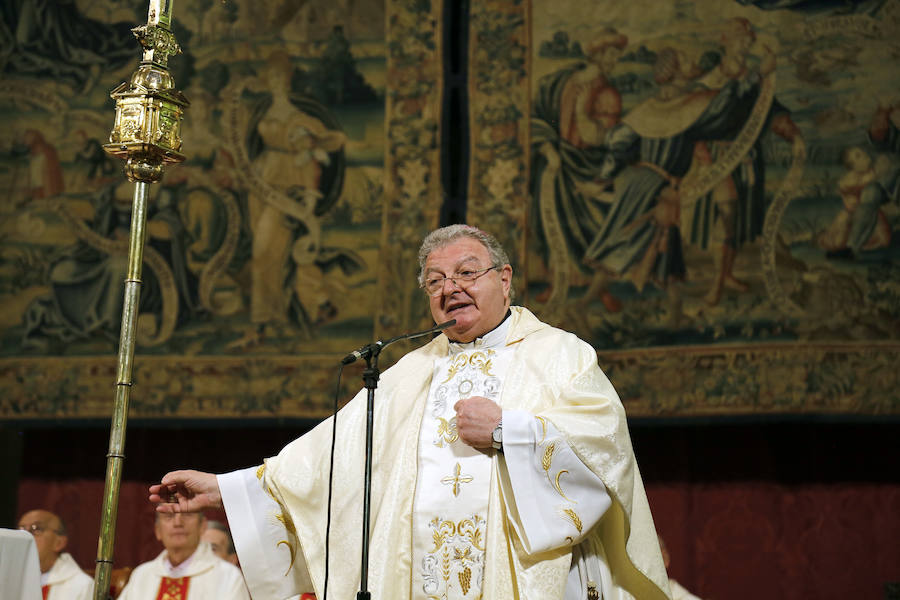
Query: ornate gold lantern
[{"x": 149, "y": 110}]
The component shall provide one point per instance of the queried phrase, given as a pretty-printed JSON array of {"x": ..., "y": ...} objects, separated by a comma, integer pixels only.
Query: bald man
[{"x": 61, "y": 577}]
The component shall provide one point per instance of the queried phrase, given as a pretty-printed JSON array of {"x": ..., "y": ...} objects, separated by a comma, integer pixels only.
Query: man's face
[
  {"x": 44, "y": 526},
  {"x": 860, "y": 160},
  {"x": 478, "y": 306},
  {"x": 609, "y": 57},
  {"x": 218, "y": 541},
  {"x": 180, "y": 531}
]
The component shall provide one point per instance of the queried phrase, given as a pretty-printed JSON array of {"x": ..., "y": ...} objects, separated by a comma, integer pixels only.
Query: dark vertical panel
[
  {"x": 454, "y": 142},
  {"x": 11, "y": 461}
]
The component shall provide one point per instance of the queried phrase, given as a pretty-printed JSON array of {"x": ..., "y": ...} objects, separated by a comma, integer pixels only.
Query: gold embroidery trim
[
  {"x": 284, "y": 518},
  {"x": 446, "y": 432},
  {"x": 456, "y": 479},
  {"x": 468, "y": 528},
  {"x": 559, "y": 489},
  {"x": 543, "y": 423},
  {"x": 441, "y": 532},
  {"x": 546, "y": 463},
  {"x": 482, "y": 361},
  {"x": 459, "y": 361}
]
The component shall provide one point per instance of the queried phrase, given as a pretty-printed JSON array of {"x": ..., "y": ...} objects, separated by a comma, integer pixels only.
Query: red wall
[{"x": 747, "y": 511}]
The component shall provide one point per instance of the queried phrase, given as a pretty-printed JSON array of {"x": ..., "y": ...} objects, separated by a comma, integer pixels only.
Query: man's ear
[
  {"x": 60, "y": 543},
  {"x": 506, "y": 279}
]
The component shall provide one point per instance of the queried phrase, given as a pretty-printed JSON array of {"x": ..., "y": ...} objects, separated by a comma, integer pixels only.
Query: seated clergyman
[{"x": 186, "y": 569}]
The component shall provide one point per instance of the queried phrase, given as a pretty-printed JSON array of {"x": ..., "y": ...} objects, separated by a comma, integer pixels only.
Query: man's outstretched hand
[{"x": 186, "y": 491}]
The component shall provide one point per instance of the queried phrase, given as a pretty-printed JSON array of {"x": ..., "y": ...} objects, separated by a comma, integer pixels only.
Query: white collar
[
  {"x": 182, "y": 567},
  {"x": 495, "y": 338}
]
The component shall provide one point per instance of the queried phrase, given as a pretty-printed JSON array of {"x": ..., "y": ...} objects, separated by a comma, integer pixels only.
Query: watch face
[{"x": 497, "y": 435}]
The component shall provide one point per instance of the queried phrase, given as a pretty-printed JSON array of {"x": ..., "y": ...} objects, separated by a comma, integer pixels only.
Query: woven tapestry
[
  {"x": 706, "y": 191},
  {"x": 285, "y": 240}
]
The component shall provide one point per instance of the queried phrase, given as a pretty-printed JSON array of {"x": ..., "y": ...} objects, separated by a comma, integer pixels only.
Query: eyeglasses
[
  {"x": 435, "y": 285},
  {"x": 36, "y": 529}
]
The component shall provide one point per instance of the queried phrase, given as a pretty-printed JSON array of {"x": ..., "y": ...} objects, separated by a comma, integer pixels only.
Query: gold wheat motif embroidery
[
  {"x": 547, "y": 459},
  {"x": 572, "y": 516},
  {"x": 284, "y": 517},
  {"x": 457, "y": 549}
]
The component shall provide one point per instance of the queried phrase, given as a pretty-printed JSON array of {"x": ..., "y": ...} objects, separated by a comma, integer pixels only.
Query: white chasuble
[
  {"x": 67, "y": 581},
  {"x": 561, "y": 507},
  {"x": 204, "y": 575}
]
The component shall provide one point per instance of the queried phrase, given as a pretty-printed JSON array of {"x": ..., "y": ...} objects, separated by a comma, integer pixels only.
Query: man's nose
[{"x": 453, "y": 285}]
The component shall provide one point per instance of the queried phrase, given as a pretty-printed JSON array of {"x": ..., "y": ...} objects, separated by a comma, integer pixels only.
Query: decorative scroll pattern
[
  {"x": 775, "y": 379},
  {"x": 171, "y": 386},
  {"x": 412, "y": 196},
  {"x": 765, "y": 379},
  {"x": 499, "y": 107},
  {"x": 458, "y": 549}
]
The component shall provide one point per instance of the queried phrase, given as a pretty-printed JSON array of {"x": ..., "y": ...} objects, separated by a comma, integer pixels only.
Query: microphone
[
  {"x": 375, "y": 348},
  {"x": 364, "y": 352}
]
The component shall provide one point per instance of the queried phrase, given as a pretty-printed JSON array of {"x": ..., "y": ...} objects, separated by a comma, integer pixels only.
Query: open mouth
[{"x": 452, "y": 308}]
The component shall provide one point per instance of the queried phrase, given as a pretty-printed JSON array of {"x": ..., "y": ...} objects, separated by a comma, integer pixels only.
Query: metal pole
[
  {"x": 115, "y": 458},
  {"x": 147, "y": 135}
]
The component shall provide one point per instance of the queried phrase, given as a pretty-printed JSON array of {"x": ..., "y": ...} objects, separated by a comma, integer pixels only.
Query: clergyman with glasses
[
  {"x": 502, "y": 466},
  {"x": 61, "y": 577}
]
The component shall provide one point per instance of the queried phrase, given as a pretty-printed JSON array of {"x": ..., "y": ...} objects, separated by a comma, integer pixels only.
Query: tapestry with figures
[
  {"x": 281, "y": 243},
  {"x": 706, "y": 191}
]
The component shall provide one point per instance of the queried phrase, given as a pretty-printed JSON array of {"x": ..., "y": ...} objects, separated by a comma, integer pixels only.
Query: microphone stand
[{"x": 370, "y": 378}]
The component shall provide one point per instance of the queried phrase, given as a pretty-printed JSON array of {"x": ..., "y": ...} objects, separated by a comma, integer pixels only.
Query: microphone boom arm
[{"x": 375, "y": 348}]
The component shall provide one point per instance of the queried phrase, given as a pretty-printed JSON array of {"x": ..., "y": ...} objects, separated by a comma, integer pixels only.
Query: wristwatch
[{"x": 497, "y": 437}]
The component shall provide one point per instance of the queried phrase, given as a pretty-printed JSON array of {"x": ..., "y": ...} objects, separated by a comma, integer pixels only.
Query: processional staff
[{"x": 147, "y": 135}]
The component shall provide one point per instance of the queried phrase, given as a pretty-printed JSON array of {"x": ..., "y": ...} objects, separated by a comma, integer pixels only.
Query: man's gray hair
[
  {"x": 62, "y": 529},
  {"x": 212, "y": 524},
  {"x": 449, "y": 234}
]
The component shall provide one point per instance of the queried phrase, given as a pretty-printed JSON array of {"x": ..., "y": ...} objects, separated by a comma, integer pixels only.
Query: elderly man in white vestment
[
  {"x": 187, "y": 569},
  {"x": 61, "y": 577},
  {"x": 502, "y": 466},
  {"x": 219, "y": 538}
]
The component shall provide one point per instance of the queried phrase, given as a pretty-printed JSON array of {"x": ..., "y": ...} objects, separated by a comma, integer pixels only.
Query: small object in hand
[{"x": 173, "y": 498}]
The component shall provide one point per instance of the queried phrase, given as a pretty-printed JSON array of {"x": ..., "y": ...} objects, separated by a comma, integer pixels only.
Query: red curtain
[
  {"x": 736, "y": 540},
  {"x": 79, "y": 503},
  {"x": 751, "y": 540}
]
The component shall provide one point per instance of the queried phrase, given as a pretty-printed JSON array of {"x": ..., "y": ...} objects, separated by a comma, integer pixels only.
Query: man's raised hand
[{"x": 186, "y": 491}]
